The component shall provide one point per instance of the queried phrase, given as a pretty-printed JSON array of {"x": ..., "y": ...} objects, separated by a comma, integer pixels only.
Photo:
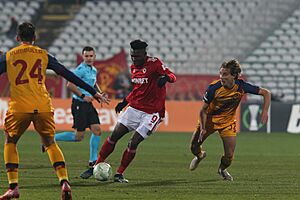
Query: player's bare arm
[
  {"x": 105, "y": 98},
  {"x": 203, "y": 118},
  {"x": 75, "y": 90},
  {"x": 267, "y": 100}
]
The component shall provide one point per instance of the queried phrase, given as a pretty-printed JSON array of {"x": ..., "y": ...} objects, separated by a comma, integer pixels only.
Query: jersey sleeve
[
  {"x": 78, "y": 72},
  {"x": 60, "y": 69},
  {"x": 2, "y": 63},
  {"x": 249, "y": 88},
  {"x": 209, "y": 94},
  {"x": 163, "y": 70}
]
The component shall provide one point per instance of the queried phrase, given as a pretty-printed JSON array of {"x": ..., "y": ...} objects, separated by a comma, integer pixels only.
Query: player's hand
[
  {"x": 202, "y": 133},
  {"x": 102, "y": 98},
  {"x": 121, "y": 105},
  {"x": 264, "y": 117},
  {"x": 163, "y": 80}
]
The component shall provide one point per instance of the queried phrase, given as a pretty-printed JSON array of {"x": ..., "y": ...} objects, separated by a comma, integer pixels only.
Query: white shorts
[{"x": 141, "y": 122}]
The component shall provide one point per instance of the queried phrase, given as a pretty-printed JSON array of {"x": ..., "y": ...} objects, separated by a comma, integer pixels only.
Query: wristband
[{"x": 82, "y": 96}]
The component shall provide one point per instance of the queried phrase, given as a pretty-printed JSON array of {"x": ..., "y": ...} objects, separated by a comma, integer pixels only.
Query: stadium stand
[
  {"x": 21, "y": 11},
  {"x": 190, "y": 36},
  {"x": 275, "y": 63}
]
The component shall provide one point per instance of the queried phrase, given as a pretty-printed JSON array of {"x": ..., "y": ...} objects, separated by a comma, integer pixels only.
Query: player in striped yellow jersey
[
  {"x": 221, "y": 100},
  {"x": 30, "y": 101}
]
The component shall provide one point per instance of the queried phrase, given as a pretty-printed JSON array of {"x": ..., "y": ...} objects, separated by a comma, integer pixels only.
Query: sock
[
  {"x": 11, "y": 159},
  {"x": 65, "y": 136},
  {"x": 128, "y": 156},
  {"x": 64, "y": 180},
  {"x": 107, "y": 148},
  {"x": 13, "y": 186},
  {"x": 58, "y": 162},
  {"x": 94, "y": 144},
  {"x": 225, "y": 162}
]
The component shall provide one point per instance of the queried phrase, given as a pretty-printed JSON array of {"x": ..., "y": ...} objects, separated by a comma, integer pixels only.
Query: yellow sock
[
  {"x": 11, "y": 159},
  {"x": 58, "y": 162}
]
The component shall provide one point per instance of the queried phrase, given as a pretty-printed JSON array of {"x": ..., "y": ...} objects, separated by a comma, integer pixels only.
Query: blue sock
[
  {"x": 94, "y": 144},
  {"x": 65, "y": 136}
]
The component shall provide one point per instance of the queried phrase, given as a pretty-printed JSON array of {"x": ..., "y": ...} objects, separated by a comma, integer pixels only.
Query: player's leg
[
  {"x": 127, "y": 121},
  {"x": 14, "y": 126},
  {"x": 94, "y": 142},
  {"x": 109, "y": 145},
  {"x": 94, "y": 124},
  {"x": 80, "y": 123},
  {"x": 128, "y": 156},
  {"x": 228, "y": 136},
  {"x": 94, "y": 145},
  {"x": 149, "y": 123},
  {"x": 196, "y": 145},
  {"x": 44, "y": 125},
  {"x": 70, "y": 136}
]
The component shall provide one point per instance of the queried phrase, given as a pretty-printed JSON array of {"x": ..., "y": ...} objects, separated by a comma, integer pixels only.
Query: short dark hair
[
  {"x": 234, "y": 66},
  {"x": 87, "y": 48},
  {"x": 26, "y": 32},
  {"x": 138, "y": 44}
]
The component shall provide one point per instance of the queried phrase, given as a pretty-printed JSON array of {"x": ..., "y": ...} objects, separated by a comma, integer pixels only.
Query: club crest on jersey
[{"x": 144, "y": 70}]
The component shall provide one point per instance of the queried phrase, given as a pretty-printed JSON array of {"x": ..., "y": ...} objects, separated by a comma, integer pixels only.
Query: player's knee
[
  {"x": 79, "y": 136},
  {"x": 132, "y": 145},
  {"x": 9, "y": 139},
  {"x": 115, "y": 136},
  {"x": 48, "y": 141},
  {"x": 96, "y": 130}
]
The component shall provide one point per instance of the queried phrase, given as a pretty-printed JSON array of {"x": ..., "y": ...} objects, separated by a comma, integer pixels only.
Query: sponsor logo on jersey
[{"x": 139, "y": 80}]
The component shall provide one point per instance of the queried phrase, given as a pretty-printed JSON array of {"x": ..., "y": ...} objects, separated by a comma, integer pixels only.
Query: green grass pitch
[{"x": 266, "y": 166}]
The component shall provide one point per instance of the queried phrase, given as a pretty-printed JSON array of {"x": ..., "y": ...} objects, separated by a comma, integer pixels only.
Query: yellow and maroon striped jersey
[
  {"x": 26, "y": 70},
  {"x": 223, "y": 102}
]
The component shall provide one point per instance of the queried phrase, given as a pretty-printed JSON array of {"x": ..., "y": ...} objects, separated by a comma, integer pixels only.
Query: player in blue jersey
[{"x": 83, "y": 111}]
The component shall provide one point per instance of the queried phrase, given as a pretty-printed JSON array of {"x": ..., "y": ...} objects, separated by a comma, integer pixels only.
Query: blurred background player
[
  {"x": 218, "y": 114},
  {"x": 26, "y": 67},
  {"x": 11, "y": 31},
  {"x": 146, "y": 105},
  {"x": 83, "y": 111},
  {"x": 122, "y": 85}
]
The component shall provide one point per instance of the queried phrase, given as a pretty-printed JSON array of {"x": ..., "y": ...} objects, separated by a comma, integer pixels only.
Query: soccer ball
[{"x": 102, "y": 171}]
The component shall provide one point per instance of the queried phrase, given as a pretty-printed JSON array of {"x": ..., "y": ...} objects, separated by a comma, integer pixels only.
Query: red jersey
[{"x": 146, "y": 95}]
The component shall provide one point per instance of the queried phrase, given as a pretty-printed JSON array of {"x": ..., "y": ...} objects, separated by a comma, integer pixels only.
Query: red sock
[
  {"x": 128, "y": 156},
  {"x": 107, "y": 148}
]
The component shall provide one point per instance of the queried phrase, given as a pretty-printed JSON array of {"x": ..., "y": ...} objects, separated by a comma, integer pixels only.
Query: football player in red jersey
[
  {"x": 218, "y": 114},
  {"x": 146, "y": 105}
]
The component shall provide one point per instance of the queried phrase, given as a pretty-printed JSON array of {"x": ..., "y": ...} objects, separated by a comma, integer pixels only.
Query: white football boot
[
  {"x": 225, "y": 174},
  {"x": 195, "y": 162}
]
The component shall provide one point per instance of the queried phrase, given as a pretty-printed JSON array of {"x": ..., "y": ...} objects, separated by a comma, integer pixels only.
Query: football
[{"x": 102, "y": 171}]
